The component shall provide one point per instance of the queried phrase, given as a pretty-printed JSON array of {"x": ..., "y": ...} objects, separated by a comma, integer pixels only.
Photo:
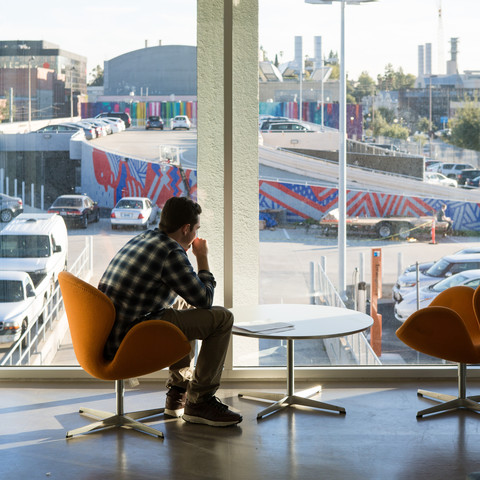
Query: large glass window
[
  {"x": 87, "y": 109},
  {"x": 408, "y": 102},
  {"x": 404, "y": 101}
]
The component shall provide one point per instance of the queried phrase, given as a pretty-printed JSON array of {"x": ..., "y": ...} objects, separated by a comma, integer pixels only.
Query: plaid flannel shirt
[{"x": 145, "y": 276}]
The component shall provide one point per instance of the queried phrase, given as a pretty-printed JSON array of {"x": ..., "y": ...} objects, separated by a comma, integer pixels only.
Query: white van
[{"x": 36, "y": 243}]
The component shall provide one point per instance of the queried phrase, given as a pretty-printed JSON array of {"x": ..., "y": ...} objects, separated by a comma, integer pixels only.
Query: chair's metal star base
[
  {"x": 110, "y": 420},
  {"x": 450, "y": 402},
  {"x": 120, "y": 419},
  {"x": 281, "y": 401}
]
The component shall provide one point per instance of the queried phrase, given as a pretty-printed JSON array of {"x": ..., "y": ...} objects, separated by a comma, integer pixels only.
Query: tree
[
  {"x": 395, "y": 131},
  {"x": 466, "y": 127},
  {"x": 334, "y": 64},
  {"x": 364, "y": 87},
  {"x": 97, "y": 77},
  {"x": 380, "y": 126},
  {"x": 5, "y": 109},
  {"x": 387, "y": 113},
  {"x": 423, "y": 124},
  {"x": 395, "y": 80}
]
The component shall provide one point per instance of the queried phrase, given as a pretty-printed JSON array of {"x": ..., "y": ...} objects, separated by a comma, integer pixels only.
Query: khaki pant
[{"x": 214, "y": 327}]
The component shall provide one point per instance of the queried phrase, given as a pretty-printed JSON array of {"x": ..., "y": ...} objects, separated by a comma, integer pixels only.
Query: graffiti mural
[
  {"x": 306, "y": 201},
  {"x": 107, "y": 177}
]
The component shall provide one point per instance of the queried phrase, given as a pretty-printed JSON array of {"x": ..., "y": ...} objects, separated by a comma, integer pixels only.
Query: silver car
[
  {"x": 134, "y": 211},
  {"x": 10, "y": 207},
  {"x": 408, "y": 305},
  {"x": 445, "y": 267}
]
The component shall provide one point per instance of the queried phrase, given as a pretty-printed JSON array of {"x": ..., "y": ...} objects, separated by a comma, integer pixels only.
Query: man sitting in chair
[{"x": 149, "y": 278}]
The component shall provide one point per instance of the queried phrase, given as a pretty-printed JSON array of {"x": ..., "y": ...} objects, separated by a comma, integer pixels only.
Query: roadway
[{"x": 279, "y": 165}]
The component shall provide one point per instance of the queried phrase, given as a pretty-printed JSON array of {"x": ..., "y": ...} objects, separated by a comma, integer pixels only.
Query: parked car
[
  {"x": 112, "y": 124},
  {"x": 181, "y": 121},
  {"x": 435, "y": 178},
  {"x": 432, "y": 165},
  {"x": 10, "y": 207},
  {"x": 88, "y": 130},
  {"x": 408, "y": 305},
  {"x": 469, "y": 173},
  {"x": 106, "y": 124},
  {"x": 135, "y": 211},
  {"x": 422, "y": 267},
  {"x": 474, "y": 182},
  {"x": 287, "y": 127},
  {"x": 154, "y": 122},
  {"x": 116, "y": 121},
  {"x": 265, "y": 122},
  {"x": 36, "y": 243},
  {"x": 58, "y": 128},
  {"x": 21, "y": 304},
  {"x": 76, "y": 209},
  {"x": 100, "y": 128},
  {"x": 123, "y": 115},
  {"x": 451, "y": 170},
  {"x": 445, "y": 267}
]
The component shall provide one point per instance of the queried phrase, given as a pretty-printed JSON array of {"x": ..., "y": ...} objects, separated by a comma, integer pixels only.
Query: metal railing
[
  {"x": 350, "y": 349},
  {"x": 28, "y": 348}
]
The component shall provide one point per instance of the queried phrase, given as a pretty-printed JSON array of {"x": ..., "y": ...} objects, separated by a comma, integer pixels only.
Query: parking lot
[{"x": 285, "y": 256}]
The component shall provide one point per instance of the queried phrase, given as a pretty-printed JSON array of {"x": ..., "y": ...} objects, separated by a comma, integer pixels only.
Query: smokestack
[
  {"x": 159, "y": 43},
  {"x": 317, "y": 48},
  {"x": 421, "y": 61},
  {"x": 299, "y": 53},
  {"x": 428, "y": 59},
  {"x": 452, "y": 65},
  {"x": 146, "y": 43}
]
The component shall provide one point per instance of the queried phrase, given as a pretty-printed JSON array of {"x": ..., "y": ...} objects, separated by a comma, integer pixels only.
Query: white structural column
[
  {"x": 227, "y": 163},
  {"x": 210, "y": 138}
]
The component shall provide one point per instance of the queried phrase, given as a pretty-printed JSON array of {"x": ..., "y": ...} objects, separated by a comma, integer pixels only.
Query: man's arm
[
  {"x": 200, "y": 250},
  {"x": 179, "y": 275}
]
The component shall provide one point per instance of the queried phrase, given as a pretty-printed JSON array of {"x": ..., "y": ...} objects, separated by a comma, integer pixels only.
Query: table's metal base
[{"x": 284, "y": 400}]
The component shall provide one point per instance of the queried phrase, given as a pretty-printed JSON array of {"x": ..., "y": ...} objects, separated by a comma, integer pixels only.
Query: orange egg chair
[
  {"x": 148, "y": 347},
  {"x": 449, "y": 329}
]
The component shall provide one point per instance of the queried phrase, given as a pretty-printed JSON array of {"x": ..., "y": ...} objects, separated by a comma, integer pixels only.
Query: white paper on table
[{"x": 264, "y": 327}]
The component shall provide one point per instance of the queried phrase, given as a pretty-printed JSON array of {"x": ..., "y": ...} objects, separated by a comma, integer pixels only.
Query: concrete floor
[{"x": 378, "y": 438}]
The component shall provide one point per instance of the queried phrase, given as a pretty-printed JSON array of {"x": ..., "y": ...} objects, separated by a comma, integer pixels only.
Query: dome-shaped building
[{"x": 160, "y": 70}]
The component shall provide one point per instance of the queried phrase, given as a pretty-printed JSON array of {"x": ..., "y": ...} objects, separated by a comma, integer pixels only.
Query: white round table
[{"x": 294, "y": 322}]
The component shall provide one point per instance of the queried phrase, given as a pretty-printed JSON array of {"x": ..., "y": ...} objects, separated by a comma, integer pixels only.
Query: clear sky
[{"x": 377, "y": 33}]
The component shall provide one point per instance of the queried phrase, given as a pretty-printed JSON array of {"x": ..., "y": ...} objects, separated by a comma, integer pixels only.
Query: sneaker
[
  {"x": 175, "y": 403},
  {"x": 212, "y": 412}
]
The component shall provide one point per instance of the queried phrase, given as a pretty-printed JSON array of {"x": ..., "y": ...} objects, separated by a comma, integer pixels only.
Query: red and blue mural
[
  {"x": 107, "y": 177},
  {"x": 307, "y": 201}
]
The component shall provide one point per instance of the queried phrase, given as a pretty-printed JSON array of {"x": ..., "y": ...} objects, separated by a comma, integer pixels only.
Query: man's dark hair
[{"x": 179, "y": 211}]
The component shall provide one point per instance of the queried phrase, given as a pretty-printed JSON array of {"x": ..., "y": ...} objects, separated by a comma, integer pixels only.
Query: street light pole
[
  {"x": 342, "y": 149},
  {"x": 71, "y": 92},
  {"x": 342, "y": 164},
  {"x": 31, "y": 59}
]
